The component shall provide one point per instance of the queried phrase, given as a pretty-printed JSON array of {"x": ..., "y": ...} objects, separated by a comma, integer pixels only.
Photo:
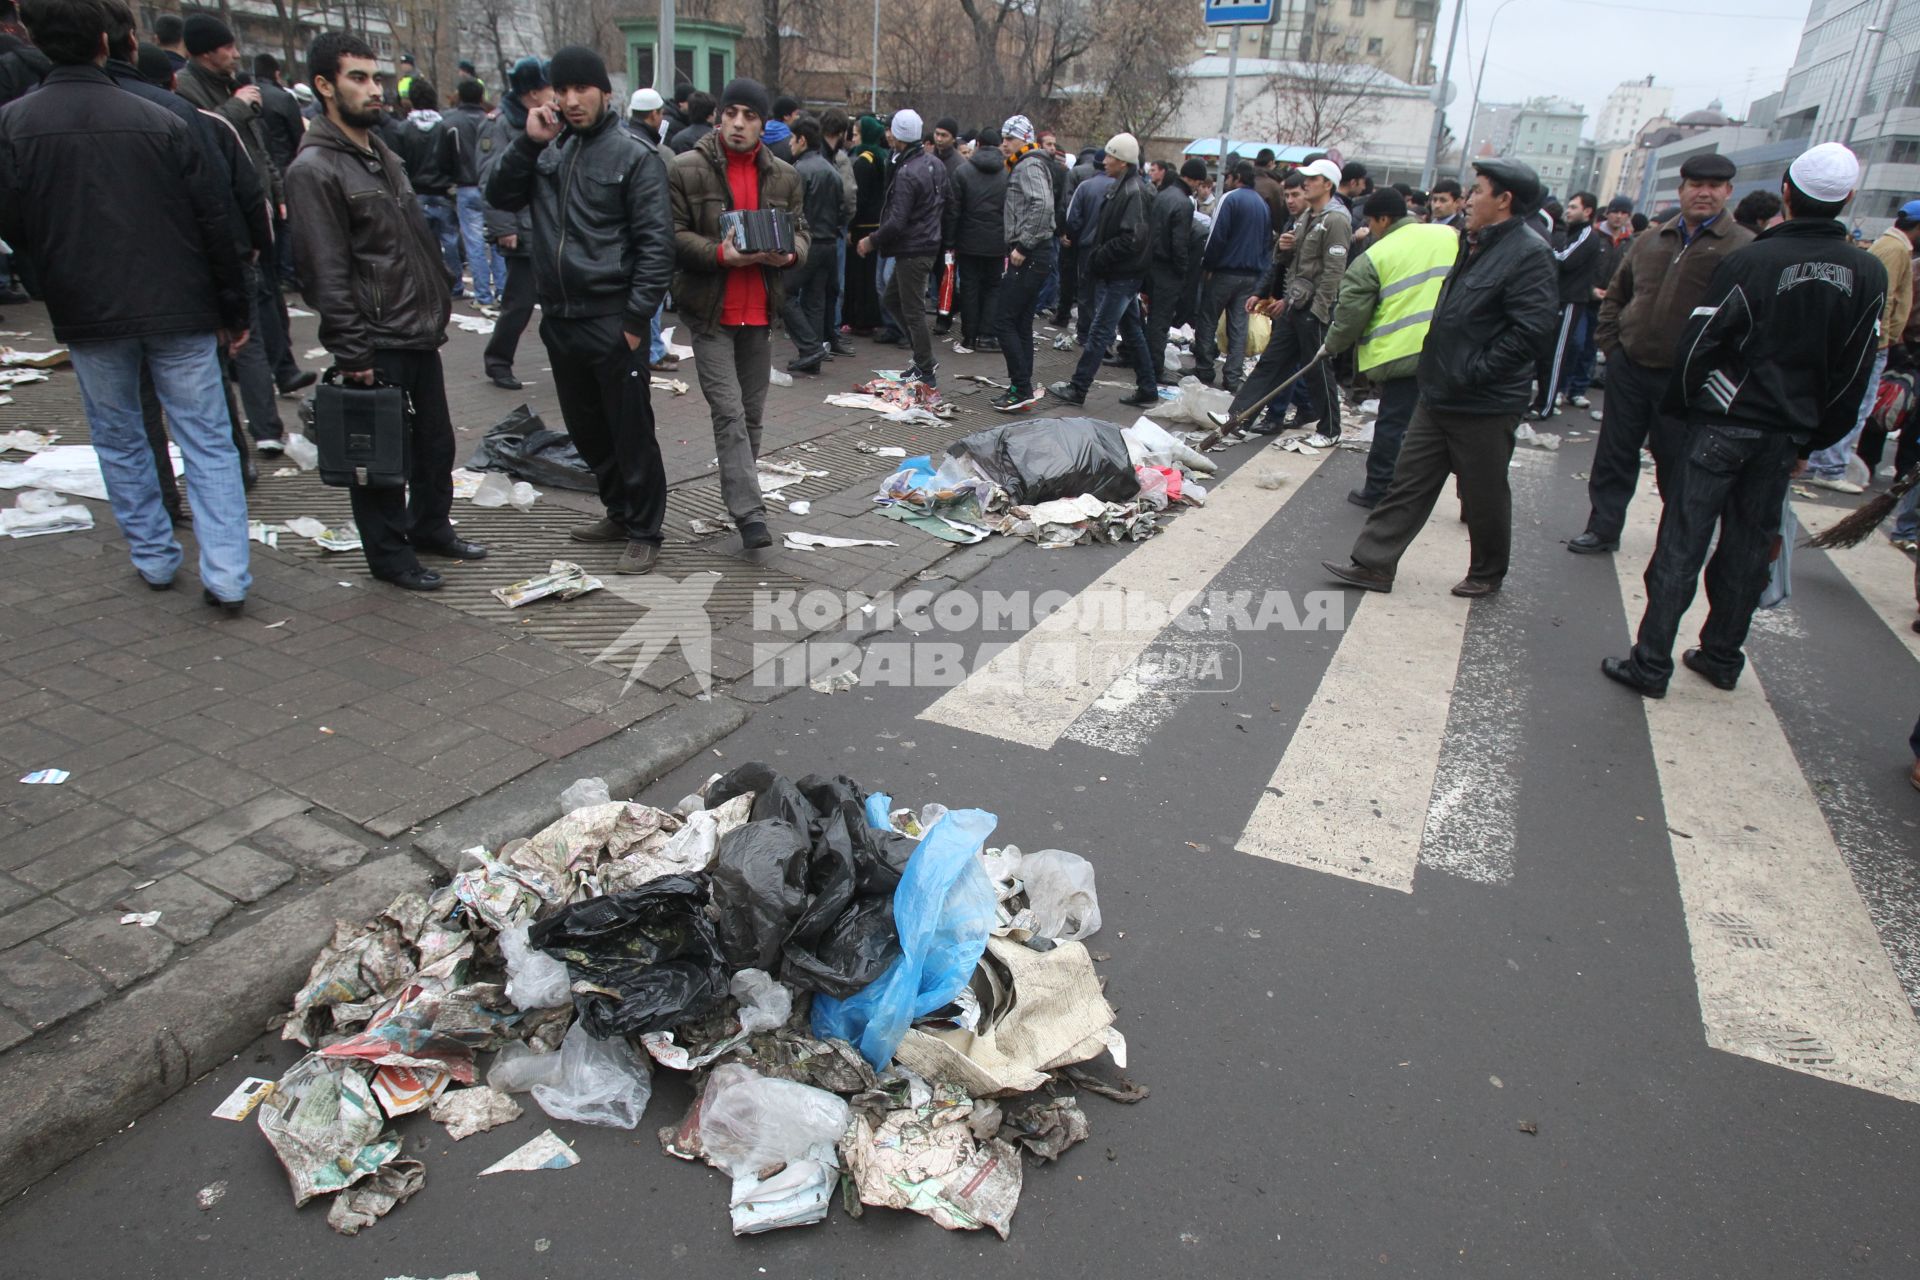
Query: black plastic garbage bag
[
  {"x": 524, "y": 447},
  {"x": 1050, "y": 458},
  {"x": 823, "y": 903},
  {"x": 643, "y": 960},
  {"x": 759, "y": 890}
]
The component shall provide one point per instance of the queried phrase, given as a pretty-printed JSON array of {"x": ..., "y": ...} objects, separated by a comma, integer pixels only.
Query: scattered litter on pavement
[
  {"x": 211, "y": 1194},
  {"x": 673, "y": 385},
  {"x": 544, "y": 1152},
  {"x": 473, "y": 324},
  {"x": 466, "y": 482},
  {"x": 838, "y": 682},
  {"x": 800, "y": 507},
  {"x": 705, "y": 528},
  {"x": 302, "y": 452},
  {"x": 865, "y": 988},
  {"x": 145, "y": 919},
  {"x": 780, "y": 378},
  {"x": 466, "y": 1112},
  {"x": 1526, "y": 435},
  {"x": 51, "y": 358},
  {"x": 677, "y": 352},
  {"x": 37, "y": 512},
  {"x": 524, "y": 447},
  {"x": 496, "y": 490},
  {"x": 316, "y": 353},
  {"x": 239, "y": 1104},
  {"x": 1528, "y": 1126},
  {"x": 26, "y": 441},
  {"x": 563, "y": 580},
  {"x": 298, "y": 313},
  {"x": 882, "y": 450},
  {"x": 65, "y": 468},
  {"x": 798, "y": 541}
]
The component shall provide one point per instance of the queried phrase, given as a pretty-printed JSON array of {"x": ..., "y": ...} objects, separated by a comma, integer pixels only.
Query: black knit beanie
[
  {"x": 576, "y": 65},
  {"x": 750, "y": 94},
  {"x": 205, "y": 33}
]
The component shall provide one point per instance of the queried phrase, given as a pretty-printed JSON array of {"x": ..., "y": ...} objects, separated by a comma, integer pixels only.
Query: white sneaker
[
  {"x": 1217, "y": 418},
  {"x": 270, "y": 448},
  {"x": 1839, "y": 484},
  {"x": 961, "y": 349},
  {"x": 1319, "y": 441},
  {"x": 1580, "y": 402}
]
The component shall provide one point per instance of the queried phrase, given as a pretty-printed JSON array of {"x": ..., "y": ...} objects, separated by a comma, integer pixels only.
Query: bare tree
[
  {"x": 1329, "y": 96},
  {"x": 1134, "y": 80}
]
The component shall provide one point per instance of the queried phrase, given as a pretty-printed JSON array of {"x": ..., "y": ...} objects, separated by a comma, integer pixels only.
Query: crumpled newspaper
[
  {"x": 367, "y": 966},
  {"x": 563, "y": 580},
  {"x": 466, "y": 1112},
  {"x": 925, "y": 1159},
  {"x": 371, "y": 1199},
  {"x": 323, "y": 1123}
]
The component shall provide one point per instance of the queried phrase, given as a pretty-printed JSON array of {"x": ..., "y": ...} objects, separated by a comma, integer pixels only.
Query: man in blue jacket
[{"x": 1236, "y": 255}]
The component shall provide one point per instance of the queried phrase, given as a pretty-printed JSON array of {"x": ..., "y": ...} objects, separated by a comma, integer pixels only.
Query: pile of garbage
[
  {"x": 1055, "y": 481},
  {"x": 869, "y": 1000},
  {"x": 896, "y": 400}
]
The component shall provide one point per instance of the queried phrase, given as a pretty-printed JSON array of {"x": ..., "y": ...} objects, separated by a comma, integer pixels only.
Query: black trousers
[
  {"x": 605, "y": 399},
  {"x": 1632, "y": 418},
  {"x": 1296, "y": 336},
  {"x": 1397, "y": 399},
  {"x": 1476, "y": 448},
  {"x": 516, "y": 309},
  {"x": 979, "y": 295},
  {"x": 1019, "y": 291},
  {"x": 1165, "y": 287},
  {"x": 394, "y": 521},
  {"x": 1733, "y": 479},
  {"x": 805, "y": 312}
]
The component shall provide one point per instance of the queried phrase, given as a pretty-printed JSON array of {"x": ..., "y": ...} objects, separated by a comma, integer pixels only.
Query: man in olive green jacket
[{"x": 728, "y": 297}]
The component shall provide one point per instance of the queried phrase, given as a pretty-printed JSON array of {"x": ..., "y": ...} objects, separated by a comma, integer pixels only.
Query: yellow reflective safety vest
[{"x": 1412, "y": 263}]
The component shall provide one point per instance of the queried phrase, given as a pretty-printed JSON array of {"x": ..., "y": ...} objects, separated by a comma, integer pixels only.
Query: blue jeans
[
  {"x": 1115, "y": 310},
  {"x": 186, "y": 375},
  {"x": 446, "y": 226},
  {"x": 658, "y": 350},
  {"x": 484, "y": 259},
  {"x": 1831, "y": 462}
]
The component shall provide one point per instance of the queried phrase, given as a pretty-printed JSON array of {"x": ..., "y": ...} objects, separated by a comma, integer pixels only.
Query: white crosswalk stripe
[
  {"x": 1877, "y": 569},
  {"x": 1033, "y": 691},
  {"x": 1350, "y": 795},
  {"x": 1789, "y": 967}
]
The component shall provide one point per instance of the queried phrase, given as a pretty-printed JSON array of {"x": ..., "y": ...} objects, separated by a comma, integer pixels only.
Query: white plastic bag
[
  {"x": 518, "y": 1068},
  {"x": 600, "y": 1081},
  {"x": 584, "y": 792},
  {"x": 765, "y": 1005},
  {"x": 535, "y": 980},
  {"x": 749, "y": 1123},
  {"x": 1061, "y": 895},
  {"x": 1192, "y": 404},
  {"x": 304, "y": 452},
  {"x": 1858, "y": 471}
]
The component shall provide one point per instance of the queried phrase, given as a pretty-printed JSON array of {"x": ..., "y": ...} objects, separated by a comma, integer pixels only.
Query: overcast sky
[{"x": 1734, "y": 50}]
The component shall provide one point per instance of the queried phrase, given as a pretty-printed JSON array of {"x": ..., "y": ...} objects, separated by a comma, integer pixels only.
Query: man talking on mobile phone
[
  {"x": 602, "y": 258},
  {"x": 371, "y": 268}
]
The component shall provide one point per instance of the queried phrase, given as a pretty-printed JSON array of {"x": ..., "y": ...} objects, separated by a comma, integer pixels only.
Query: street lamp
[{"x": 1466, "y": 159}]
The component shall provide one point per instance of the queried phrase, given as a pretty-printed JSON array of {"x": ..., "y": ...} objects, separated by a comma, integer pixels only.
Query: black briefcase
[{"x": 361, "y": 433}]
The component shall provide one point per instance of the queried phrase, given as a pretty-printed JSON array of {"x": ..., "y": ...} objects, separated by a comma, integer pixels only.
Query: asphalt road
[{"x": 1341, "y": 1071}]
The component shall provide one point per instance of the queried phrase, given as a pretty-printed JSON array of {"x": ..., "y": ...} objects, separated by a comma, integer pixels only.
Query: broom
[
  {"x": 1856, "y": 528},
  {"x": 1252, "y": 411}
]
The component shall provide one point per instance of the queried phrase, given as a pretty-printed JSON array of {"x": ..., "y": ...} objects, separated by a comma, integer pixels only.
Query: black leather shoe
[
  {"x": 1068, "y": 392},
  {"x": 231, "y": 608},
  {"x": 1589, "y": 544},
  {"x": 1696, "y": 662},
  {"x": 1474, "y": 588},
  {"x": 1142, "y": 398},
  {"x": 841, "y": 347},
  {"x": 414, "y": 579},
  {"x": 754, "y": 535},
  {"x": 157, "y": 586},
  {"x": 1356, "y": 576},
  {"x": 1622, "y": 671},
  {"x": 455, "y": 548},
  {"x": 1359, "y": 499},
  {"x": 300, "y": 383},
  {"x": 249, "y": 472},
  {"x": 505, "y": 381},
  {"x": 805, "y": 366}
]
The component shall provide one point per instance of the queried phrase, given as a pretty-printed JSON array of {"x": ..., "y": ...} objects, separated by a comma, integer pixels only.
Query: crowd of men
[{"x": 1740, "y": 347}]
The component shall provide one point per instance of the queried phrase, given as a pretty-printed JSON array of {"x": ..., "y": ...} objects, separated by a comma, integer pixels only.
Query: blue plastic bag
[
  {"x": 943, "y": 911},
  {"x": 1780, "y": 572}
]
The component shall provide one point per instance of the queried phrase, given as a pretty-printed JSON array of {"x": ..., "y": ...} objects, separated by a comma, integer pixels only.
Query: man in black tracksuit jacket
[
  {"x": 602, "y": 258},
  {"x": 1169, "y": 226},
  {"x": 1771, "y": 368},
  {"x": 1582, "y": 258}
]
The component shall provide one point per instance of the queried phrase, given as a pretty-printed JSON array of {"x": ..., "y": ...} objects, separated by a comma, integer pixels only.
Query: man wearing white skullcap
[{"x": 1771, "y": 367}]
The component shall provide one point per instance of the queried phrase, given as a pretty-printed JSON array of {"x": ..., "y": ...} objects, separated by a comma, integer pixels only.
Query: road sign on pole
[{"x": 1227, "y": 13}]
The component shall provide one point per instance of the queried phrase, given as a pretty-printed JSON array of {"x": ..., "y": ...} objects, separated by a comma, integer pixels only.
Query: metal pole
[
  {"x": 1440, "y": 100},
  {"x": 873, "y": 87},
  {"x": 1486, "y": 46},
  {"x": 666, "y": 76},
  {"x": 1870, "y": 59},
  {"x": 1226, "y": 114}
]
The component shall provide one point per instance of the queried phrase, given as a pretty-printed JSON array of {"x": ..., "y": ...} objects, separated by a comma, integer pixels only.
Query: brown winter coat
[
  {"x": 697, "y": 185},
  {"x": 1658, "y": 284}
]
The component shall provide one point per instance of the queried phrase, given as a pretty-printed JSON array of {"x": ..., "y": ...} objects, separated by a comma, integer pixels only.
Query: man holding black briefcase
[{"x": 372, "y": 269}]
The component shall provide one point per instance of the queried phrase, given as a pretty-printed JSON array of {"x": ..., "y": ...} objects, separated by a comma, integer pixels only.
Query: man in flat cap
[{"x": 1658, "y": 283}]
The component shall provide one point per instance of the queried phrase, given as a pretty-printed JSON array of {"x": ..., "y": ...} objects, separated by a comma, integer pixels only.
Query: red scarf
[{"x": 745, "y": 302}]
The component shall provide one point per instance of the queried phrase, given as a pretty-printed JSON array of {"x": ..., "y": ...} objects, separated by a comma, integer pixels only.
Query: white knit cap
[
  {"x": 1827, "y": 172},
  {"x": 906, "y": 126},
  {"x": 1019, "y": 128},
  {"x": 1124, "y": 147},
  {"x": 645, "y": 100}
]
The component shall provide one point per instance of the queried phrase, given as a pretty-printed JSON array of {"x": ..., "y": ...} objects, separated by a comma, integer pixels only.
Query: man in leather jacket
[
  {"x": 602, "y": 257},
  {"x": 371, "y": 270},
  {"x": 1117, "y": 262},
  {"x": 527, "y": 88},
  {"x": 1497, "y": 312}
]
